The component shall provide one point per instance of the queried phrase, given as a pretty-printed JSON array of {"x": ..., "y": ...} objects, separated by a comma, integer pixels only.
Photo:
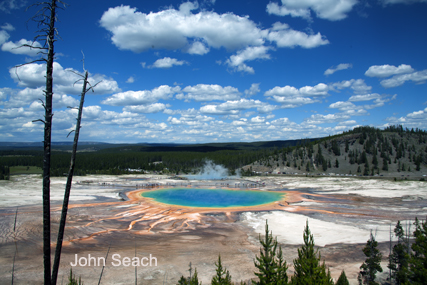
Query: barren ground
[{"x": 341, "y": 212}]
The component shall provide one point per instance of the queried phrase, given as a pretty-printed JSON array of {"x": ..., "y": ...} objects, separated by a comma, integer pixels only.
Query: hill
[{"x": 364, "y": 151}]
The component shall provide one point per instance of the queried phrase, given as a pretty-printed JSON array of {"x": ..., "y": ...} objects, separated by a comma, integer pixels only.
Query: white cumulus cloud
[
  {"x": 250, "y": 53},
  {"x": 209, "y": 92},
  {"x": 341, "y": 66},
  {"x": 19, "y": 48},
  {"x": 33, "y": 76},
  {"x": 163, "y": 92},
  {"x": 332, "y": 10},
  {"x": 147, "y": 109},
  {"x": 419, "y": 77},
  {"x": 388, "y": 70},
  {"x": 286, "y": 37},
  {"x": 167, "y": 62}
]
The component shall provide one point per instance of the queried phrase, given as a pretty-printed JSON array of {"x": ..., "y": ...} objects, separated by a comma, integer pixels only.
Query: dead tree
[
  {"x": 69, "y": 181},
  {"x": 45, "y": 18}
]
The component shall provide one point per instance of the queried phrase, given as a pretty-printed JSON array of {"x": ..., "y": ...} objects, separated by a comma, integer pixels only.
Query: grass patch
[{"x": 15, "y": 170}]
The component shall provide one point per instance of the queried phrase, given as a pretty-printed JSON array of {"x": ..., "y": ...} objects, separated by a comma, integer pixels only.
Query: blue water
[{"x": 212, "y": 198}]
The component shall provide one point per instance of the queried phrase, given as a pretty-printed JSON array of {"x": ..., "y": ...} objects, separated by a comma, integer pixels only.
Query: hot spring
[{"x": 213, "y": 198}]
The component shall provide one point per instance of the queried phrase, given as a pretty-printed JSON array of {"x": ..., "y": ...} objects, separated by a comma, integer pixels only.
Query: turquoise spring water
[{"x": 212, "y": 198}]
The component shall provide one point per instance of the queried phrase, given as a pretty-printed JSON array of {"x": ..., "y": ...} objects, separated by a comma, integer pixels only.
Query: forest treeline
[{"x": 363, "y": 150}]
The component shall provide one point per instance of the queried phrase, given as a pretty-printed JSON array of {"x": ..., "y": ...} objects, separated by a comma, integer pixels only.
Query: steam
[{"x": 211, "y": 171}]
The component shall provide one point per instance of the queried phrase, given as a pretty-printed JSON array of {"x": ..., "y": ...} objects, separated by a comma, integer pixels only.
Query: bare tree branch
[{"x": 39, "y": 120}]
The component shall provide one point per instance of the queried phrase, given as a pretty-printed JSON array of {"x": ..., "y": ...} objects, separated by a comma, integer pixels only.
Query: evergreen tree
[
  {"x": 222, "y": 276},
  {"x": 366, "y": 170},
  {"x": 375, "y": 161},
  {"x": 342, "y": 280},
  {"x": 282, "y": 267},
  {"x": 385, "y": 164},
  {"x": 72, "y": 279},
  {"x": 270, "y": 264},
  {"x": 324, "y": 165},
  {"x": 418, "y": 259},
  {"x": 371, "y": 266},
  {"x": 192, "y": 280},
  {"x": 399, "y": 258},
  {"x": 307, "y": 267}
]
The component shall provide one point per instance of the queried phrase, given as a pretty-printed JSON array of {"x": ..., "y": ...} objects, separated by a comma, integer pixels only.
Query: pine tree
[
  {"x": 192, "y": 280},
  {"x": 399, "y": 258},
  {"x": 418, "y": 259},
  {"x": 271, "y": 265},
  {"x": 222, "y": 276},
  {"x": 282, "y": 267},
  {"x": 307, "y": 267},
  {"x": 385, "y": 164},
  {"x": 371, "y": 265},
  {"x": 342, "y": 280},
  {"x": 72, "y": 279}
]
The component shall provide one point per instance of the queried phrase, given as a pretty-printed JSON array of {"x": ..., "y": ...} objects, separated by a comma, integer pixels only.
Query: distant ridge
[{"x": 36, "y": 144}]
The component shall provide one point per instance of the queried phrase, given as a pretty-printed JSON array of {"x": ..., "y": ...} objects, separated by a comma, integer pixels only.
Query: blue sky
[{"x": 218, "y": 71}]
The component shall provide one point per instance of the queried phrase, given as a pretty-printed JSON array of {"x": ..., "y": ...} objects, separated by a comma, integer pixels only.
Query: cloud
[
  {"x": 4, "y": 36},
  {"x": 130, "y": 80},
  {"x": 147, "y": 109},
  {"x": 275, "y": 9},
  {"x": 343, "y": 106},
  {"x": 326, "y": 119},
  {"x": 320, "y": 89},
  {"x": 419, "y": 77},
  {"x": 196, "y": 33},
  {"x": 358, "y": 85},
  {"x": 291, "y": 97},
  {"x": 250, "y": 53},
  {"x": 174, "y": 29},
  {"x": 399, "y": 74},
  {"x": 198, "y": 48},
  {"x": 33, "y": 76},
  {"x": 332, "y": 10},
  {"x": 388, "y": 70},
  {"x": 163, "y": 92},
  {"x": 340, "y": 66},
  {"x": 416, "y": 119},
  {"x": 7, "y": 27},
  {"x": 367, "y": 97},
  {"x": 283, "y": 36},
  {"x": 19, "y": 48},
  {"x": 234, "y": 107},
  {"x": 8, "y": 5},
  {"x": 167, "y": 62},
  {"x": 196, "y": 121},
  {"x": 209, "y": 92},
  {"x": 253, "y": 90},
  {"x": 389, "y": 2}
]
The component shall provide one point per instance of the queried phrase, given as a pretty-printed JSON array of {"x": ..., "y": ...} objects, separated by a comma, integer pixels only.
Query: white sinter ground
[{"x": 287, "y": 226}]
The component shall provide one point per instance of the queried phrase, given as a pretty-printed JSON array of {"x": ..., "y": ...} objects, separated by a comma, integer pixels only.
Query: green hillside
[{"x": 364, "y": 151}]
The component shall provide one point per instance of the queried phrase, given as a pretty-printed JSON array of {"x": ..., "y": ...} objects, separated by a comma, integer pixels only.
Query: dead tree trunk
[
  {"x": 68, "y": 186},
  {"x": 45, "y": 18},
  {"x": 47, "y": 144}
]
